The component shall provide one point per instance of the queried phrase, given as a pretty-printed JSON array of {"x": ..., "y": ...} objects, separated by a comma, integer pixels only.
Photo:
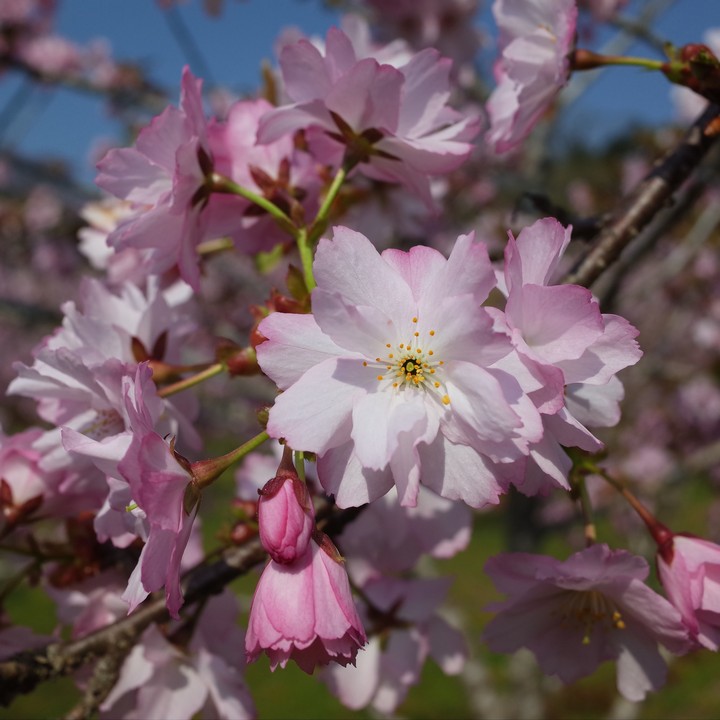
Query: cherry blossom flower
[
  {"x": 409, "y": 631},
  {"x": 163, "y": 175},
  {"x": 575, "y": 614},
  {"x": 304, "y": 611},
  {"x": 688, "y": 567},
  {"x": 603, "y": 9},
  {"x": 276, "y": 170},
  {"x": 155, "y": 481},
  {"x": 435, "y": 526},
  {"x": 448, "y": 25},
  {"x": 77, "y": 372},
  {"x": 535, "y": 39},
  {"x": 394, "y": 121},
  {"x": 574, "y": 348},
  {"x": 388, "y": 380},
  {"x": 22, "y": 483},
  {"x": 161, "y": 678}
]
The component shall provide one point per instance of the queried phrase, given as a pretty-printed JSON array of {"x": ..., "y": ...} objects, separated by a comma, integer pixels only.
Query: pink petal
[
  {"x": 342, "y": 475},
  {"x": 295, "y": 344},
  {"x": 315, "y": 413}
]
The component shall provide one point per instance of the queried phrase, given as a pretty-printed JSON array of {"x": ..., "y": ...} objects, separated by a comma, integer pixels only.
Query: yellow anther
[
  {"x": 389, "y": 367},
  {"x": 364, "y": 364},
  {"x": 387, "y": 345},
  {"x": 390, "y": 355},
  {"x": 419, "y": 351},
  {"x": 432, "y": 332},
  {"x": 446, "y": 399},
  {"x": 402, "y": 345},
  {"x": 380, "y": 377},
  {"x": 414, "y": 319},
  {"x": 395, "y": 384},
  {"x": 442, "y": 362},
  {"x": 436, "y": 384},
  {"x": 430, "y": 352},
  {"x": 432, "y": 371},
  {"x": 416, "y": 334},
  {"x": 378, "y": 359}
]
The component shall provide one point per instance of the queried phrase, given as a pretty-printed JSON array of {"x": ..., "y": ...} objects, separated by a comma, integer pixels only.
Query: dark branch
[{"x": 641, "y": 206}]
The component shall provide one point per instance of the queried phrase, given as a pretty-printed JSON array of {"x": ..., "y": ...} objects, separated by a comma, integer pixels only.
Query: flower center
[
  {"x": 588, "y": 609},
  {"x": 107, "y": 422},
  {"x": 412, "y": 364}
]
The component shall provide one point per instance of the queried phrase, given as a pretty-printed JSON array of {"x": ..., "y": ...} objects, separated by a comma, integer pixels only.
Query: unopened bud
[
  {"x": 238, "y": 360},
  {"x": 285, "y": 516}
]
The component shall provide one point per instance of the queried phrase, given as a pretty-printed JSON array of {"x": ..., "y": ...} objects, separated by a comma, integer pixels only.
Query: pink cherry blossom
[
  {"x": 535, "y": 39},
  {"x": 395, "y": 120},
  {"x": 161, "y": 679},
  {"x": 561, "y": 335},
  {"x": 603, "y": 9},
  {"x": 575, "y": 614},
  {"x": 435, "y": 526},
  {"x": 689, "y": 569},
  {"x": 144, "y": 472},
  {"x": 77, "y": 372},
  {"x": 90, "y": 604},
  {"x": 161, "y": 488},
  {"x": 409, "y": 631},
  {"x": 388, "y": 380},
  {"x": 163, "y": 175},
  {"x": 304, "y": 612},
  {"x": 448, "y": 25},
  {"x": 22, "y": 483},
  {"x": 276, "y": 170}
]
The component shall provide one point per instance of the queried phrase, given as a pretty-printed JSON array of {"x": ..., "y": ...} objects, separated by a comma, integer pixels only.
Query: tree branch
[
  {"x": 21, "y": 673},
  {"x": 641, "y": 206}
]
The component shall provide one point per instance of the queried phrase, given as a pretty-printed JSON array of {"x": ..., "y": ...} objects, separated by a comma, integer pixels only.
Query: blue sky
[{"x": 62, "y": 123}]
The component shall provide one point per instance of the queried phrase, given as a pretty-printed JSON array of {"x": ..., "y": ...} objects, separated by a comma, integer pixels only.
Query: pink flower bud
[
  {"x": 305, "y": 612},
  {"x": 286, "y": 517}
]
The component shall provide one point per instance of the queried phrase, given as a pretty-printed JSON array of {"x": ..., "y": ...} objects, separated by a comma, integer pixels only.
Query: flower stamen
[{"x": 411, "y": 366}]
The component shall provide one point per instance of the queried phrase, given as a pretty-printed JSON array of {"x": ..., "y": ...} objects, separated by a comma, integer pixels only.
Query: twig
[
  {"x": 645, "y": 201},
  {"x": 101, "y": 683}
]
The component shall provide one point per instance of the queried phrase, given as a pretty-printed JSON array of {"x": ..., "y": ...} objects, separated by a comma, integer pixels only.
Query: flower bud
[{"x": 286, "y": 517}]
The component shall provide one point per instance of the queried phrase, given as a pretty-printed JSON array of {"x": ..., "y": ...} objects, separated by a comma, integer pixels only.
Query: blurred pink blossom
[
  {"x": 409, "y": 630},
  {"x": 689, "y": 569},
  {"x": 393, "y": 120},
  {"x": 575, "y": 614},
  {"x": 535, "y": 39}
]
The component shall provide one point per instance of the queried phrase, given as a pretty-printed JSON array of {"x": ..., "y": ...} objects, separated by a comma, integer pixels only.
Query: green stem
[
  {"x": 221, "y": 184},
  {"x": 300, "y": 465},
  {"x": 320, "y": 222},
  {"x": 581, "y": 59},
  {"x": 205, "y": 472},
  {"x": 212, "y": 246},
  {"x": 587, "y": 511},
  {"x": 306, "y": 258},
  {"x": 210, "y": 372}
]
